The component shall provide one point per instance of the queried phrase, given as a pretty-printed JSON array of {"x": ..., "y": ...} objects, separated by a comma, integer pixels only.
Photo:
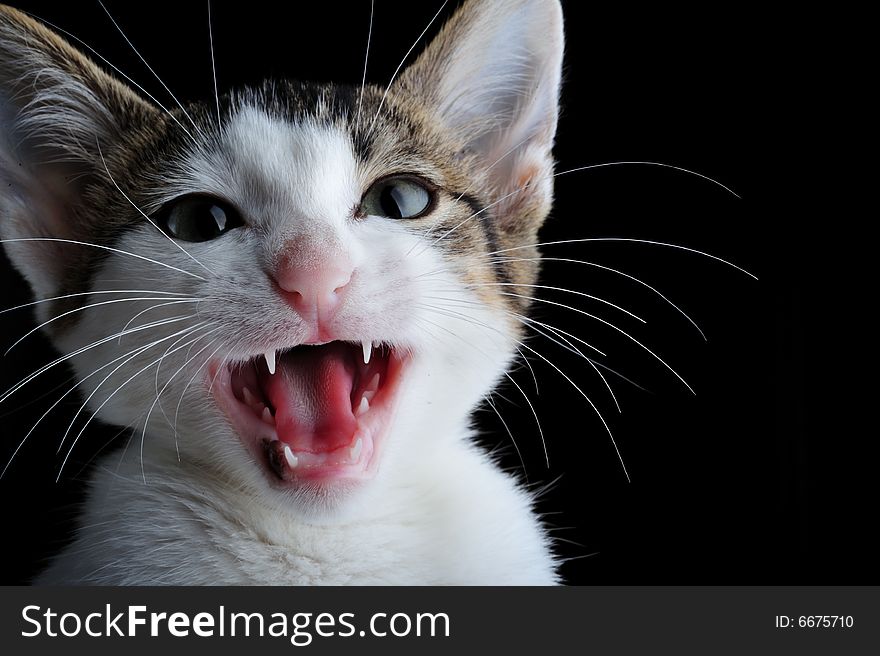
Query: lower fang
[
  {"x": 291, "y": 459},
  {"x": 363, "y": 407},
  {"x": 267, "y": 416},
  {"x": 355, "y": 452}
]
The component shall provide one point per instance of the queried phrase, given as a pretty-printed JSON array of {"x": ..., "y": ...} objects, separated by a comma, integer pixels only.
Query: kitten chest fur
[{"x": 421, "y": 527}]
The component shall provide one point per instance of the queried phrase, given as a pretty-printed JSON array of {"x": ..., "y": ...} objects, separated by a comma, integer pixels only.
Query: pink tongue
[{"x": 311, "y": 394}]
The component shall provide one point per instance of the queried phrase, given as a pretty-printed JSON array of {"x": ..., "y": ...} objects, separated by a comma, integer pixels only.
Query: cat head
[{"x": 295, "y": 289}]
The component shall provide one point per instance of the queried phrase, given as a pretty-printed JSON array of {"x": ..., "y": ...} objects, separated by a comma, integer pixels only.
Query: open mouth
[{"x": 312, "y": 413}]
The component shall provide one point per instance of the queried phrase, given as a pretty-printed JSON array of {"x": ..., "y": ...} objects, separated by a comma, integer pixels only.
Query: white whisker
[
  {"x": 156, "y": 307},
  {"x": 167, "y": 384},
  {"x": 476, "y": 322},
  {"x": 560, "y": 289},
  {"x": 214, "y": 68},
  {"x": 143, "y": 214},
  {"x": 625, "y": 239},
  {"x": 402, "y": 62},
  {"x": 621, "y": 376},
  {"x": 87, "y": 307},
  {"x": 611, "y": 270},
  {"x": 535, "y": 414},
  {"x": 575, "y": 170},
  {"x": 593, "y": 405},
  {"x": 150, "y": 68},
  {"x": 567, "y": 345},
  {"x": 107, "y": 291},
  {"x": 98, "y": 409},
  {"x": 610, "y": 325},
  {"x": 99, "y": 246},
  {"x": 136, "y": 351},
  {"x": 131, "y": 355},
  {"x": 366, "y": 60},
  {"x": 548, "y": 326},
  {"x": 659, "y": 164},
  {"x": 117, "y": 70},
  {"x": 12, "y": 390},
  {"x": 435, "y": 223},
  {"x": 175, "y": 343},
  {"x": 512, "y": 439},
  {"x": 183, "y": 393}
]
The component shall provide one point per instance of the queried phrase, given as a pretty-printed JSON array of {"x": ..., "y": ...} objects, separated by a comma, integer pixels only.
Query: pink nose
[{"x": 312, "y": 285}]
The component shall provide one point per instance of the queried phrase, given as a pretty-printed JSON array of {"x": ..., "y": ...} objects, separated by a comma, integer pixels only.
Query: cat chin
[{"x": 317, "y": 502}]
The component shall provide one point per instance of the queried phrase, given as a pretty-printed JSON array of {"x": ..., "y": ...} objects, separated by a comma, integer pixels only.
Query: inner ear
[
  {"x": 526, "y": 176},
  {"x": 492, "y": 77}
]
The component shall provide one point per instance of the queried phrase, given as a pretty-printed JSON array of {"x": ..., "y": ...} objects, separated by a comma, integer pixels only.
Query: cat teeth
[
  {"x": 372, "y": 387},
  {"x": 270, "y": 360},
  {"x": 260, "y": 408},
  {"x": 292, "y": 460},
  {"x": 367, "y": 395},
  {"x": 368, "y": 350},
  {"x": 355, "y": 452},
  {"x": 363, "y": 406}
]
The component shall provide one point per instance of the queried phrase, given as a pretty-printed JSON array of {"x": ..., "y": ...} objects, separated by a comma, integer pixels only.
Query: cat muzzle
[{"x": 312, "y": 414}]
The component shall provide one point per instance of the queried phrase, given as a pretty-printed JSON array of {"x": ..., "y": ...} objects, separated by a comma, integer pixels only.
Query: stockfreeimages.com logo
[{"x": 299, "y": 628}]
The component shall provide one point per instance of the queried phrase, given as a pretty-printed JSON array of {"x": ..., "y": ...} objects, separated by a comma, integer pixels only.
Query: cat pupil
[
  {"x": 390, "y": 202},
  {"x": 209, "y": 221}
]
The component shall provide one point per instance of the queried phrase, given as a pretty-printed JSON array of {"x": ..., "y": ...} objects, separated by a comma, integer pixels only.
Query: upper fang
[
  {"x": 368, "y": 350},
  {"x": 270, "y": 361}
]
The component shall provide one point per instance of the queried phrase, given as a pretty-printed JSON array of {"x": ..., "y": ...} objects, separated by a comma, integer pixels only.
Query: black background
[{"x": 728, "y": 485}]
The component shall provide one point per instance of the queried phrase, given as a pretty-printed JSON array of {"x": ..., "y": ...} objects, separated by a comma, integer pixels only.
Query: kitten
[{"x": 291, "y": 299}]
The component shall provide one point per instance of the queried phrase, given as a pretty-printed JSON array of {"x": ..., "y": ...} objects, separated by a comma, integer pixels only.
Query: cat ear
[
  {"x": 56, "y": 106},
  {"x": 492, "y": 76}
]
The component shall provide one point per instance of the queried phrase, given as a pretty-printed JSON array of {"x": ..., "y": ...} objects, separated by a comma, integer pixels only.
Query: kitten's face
[
  {"x": 317, "y": 269},
  {"x": 323, "y": 301}
]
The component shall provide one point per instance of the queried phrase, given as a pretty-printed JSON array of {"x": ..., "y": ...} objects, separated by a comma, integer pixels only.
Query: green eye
[
  {"x": 397, "y": 198},
  {"x": 198, "y": 218}
]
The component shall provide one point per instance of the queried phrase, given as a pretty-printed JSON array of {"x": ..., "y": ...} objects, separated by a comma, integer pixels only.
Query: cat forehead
[{"x": 267, "y": 163}]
